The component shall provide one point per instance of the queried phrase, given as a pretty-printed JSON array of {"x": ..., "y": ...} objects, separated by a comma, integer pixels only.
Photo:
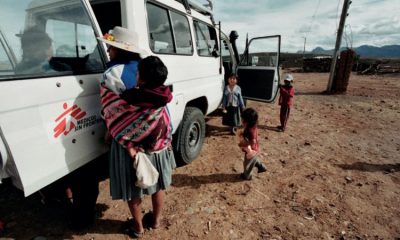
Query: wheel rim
[{"x": 194, "y": 134}]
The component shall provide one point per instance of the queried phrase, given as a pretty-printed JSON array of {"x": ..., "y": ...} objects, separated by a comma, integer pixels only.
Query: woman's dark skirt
[{"x": 123, "y": 176}]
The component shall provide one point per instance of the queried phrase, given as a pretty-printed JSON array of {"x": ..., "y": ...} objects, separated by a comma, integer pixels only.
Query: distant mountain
[{"x": 388, "y": 51}]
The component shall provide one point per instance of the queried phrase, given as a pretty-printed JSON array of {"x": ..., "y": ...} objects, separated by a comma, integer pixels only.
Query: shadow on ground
[
  {"x": 265, "y": 127},
  {"x": 36, "y": 218},
  {"x": 322, "y": 93},
  {"x": 370, "y": 167},
  {"x": 183, "y": 180},
  {"x": 212, "y": 130}
]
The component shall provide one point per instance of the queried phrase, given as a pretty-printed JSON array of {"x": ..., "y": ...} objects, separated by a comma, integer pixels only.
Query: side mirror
[{"x": 215, "y": 53}]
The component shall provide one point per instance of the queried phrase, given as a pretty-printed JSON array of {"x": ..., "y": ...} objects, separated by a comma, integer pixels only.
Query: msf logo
[{"x": 75, "y": 113}]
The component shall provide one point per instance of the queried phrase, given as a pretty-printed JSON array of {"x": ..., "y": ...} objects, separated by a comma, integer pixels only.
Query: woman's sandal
[
  {"x": 128, "y": 229},
  {"x": 132, "y": 233},
  {"x": 148, "y": 221}
]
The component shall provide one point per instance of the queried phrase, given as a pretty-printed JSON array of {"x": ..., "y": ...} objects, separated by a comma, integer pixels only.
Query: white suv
[{"x": 50, "y": 122}]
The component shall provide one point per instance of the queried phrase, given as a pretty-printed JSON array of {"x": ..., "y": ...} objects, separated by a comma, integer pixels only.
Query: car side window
[
  {"x": 161, "y": 40},
  {"x": 206, "y": 39},
  {"x": 182, "y": 34},
  {"x": 169, "y": 31},
  {"x": 58, "y": 39}
]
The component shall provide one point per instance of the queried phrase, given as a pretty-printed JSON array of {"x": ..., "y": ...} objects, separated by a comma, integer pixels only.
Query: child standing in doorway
[
  {"x": 233, "y": 104},
  {"x": 285, "y": 100},
  {"x": 249, "y": 144}
]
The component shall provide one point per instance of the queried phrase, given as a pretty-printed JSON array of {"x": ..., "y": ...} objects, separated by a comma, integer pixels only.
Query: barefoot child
[
  {"x": 249, "y": 144},
  {"x": 233, "y": 104}
]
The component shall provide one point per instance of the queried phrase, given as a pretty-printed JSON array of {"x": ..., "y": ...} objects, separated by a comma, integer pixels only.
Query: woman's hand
[{"x": 134, "y": 150}]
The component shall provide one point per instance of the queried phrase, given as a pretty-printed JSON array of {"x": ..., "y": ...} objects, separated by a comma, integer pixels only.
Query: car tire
[{"x": 189, "y": 138}]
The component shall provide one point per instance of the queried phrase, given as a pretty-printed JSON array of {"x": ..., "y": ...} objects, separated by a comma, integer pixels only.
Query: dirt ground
[{"x": 334, "y": 174}]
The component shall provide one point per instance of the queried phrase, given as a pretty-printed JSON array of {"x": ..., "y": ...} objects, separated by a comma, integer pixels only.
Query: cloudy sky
[{"x": 372, "y": 22}]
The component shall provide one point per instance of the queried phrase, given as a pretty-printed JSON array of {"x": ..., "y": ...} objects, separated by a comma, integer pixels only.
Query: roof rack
[{"x": 206, "y": 9}]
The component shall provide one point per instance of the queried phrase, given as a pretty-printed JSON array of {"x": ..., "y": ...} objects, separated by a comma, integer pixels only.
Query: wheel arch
[{"x": 200, "y": 103}]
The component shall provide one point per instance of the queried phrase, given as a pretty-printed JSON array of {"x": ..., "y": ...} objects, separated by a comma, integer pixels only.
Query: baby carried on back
[{"x": 137, "y": 114}]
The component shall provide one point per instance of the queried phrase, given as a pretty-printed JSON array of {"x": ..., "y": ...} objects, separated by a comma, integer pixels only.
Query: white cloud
[{"x": 373, "y": 22}]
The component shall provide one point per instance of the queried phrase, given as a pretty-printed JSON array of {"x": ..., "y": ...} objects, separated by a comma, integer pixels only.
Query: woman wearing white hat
[
  {"x": 285, "y": 100},
  {"x": 124, "y": 57},
  {"x": 118, "y": 79}
]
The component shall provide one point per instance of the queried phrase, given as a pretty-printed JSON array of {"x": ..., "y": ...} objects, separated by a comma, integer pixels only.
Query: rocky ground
[{"x": 334, "y": 174}]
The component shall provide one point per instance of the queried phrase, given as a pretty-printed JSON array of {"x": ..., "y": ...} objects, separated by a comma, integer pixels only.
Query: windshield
[{"x": 46, "y": 37}]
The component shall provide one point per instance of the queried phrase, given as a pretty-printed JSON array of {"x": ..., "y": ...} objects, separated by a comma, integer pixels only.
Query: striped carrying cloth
[{"x": 130, "y": 124}]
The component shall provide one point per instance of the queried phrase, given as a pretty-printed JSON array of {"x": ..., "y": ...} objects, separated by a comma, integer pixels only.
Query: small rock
[
  {"x": 348, "y": 179},
  {"x": 277, "y": 201},
  {"x": 190, "y": 210},
  {"x": 359, "y": 184},
  {"x": 277, "y": 229},
  {"x": 307, "y": 143},
  {"x": 209, "y": 210},
  {"x": 296, "y": 209},
  {"x": 223, "y": 196}
]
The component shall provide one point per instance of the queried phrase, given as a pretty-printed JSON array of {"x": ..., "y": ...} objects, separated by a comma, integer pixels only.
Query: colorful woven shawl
[{"x": 129, "y": 124}]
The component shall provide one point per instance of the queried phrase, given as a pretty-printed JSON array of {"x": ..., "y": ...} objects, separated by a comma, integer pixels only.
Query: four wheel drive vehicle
[{"x": 50, "y": 123}]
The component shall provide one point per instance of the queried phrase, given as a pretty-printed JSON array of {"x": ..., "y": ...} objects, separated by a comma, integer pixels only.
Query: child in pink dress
[
  {"x": 286, "y": 101},
  {"x": 249, "y": 144}
]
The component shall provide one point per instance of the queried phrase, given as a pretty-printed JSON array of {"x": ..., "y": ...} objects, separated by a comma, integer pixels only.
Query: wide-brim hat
[{"x": 123, "y": 39}]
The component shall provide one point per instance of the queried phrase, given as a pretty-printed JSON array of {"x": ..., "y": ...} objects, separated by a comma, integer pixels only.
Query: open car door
[{"x": 258, "y": 69}]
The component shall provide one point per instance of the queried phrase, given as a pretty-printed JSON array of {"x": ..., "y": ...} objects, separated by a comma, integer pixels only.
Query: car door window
[
  {"x": 206, "y": 39},
  {"x": 262, "y": 53},
  {"x": 49, "y": 38}
]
